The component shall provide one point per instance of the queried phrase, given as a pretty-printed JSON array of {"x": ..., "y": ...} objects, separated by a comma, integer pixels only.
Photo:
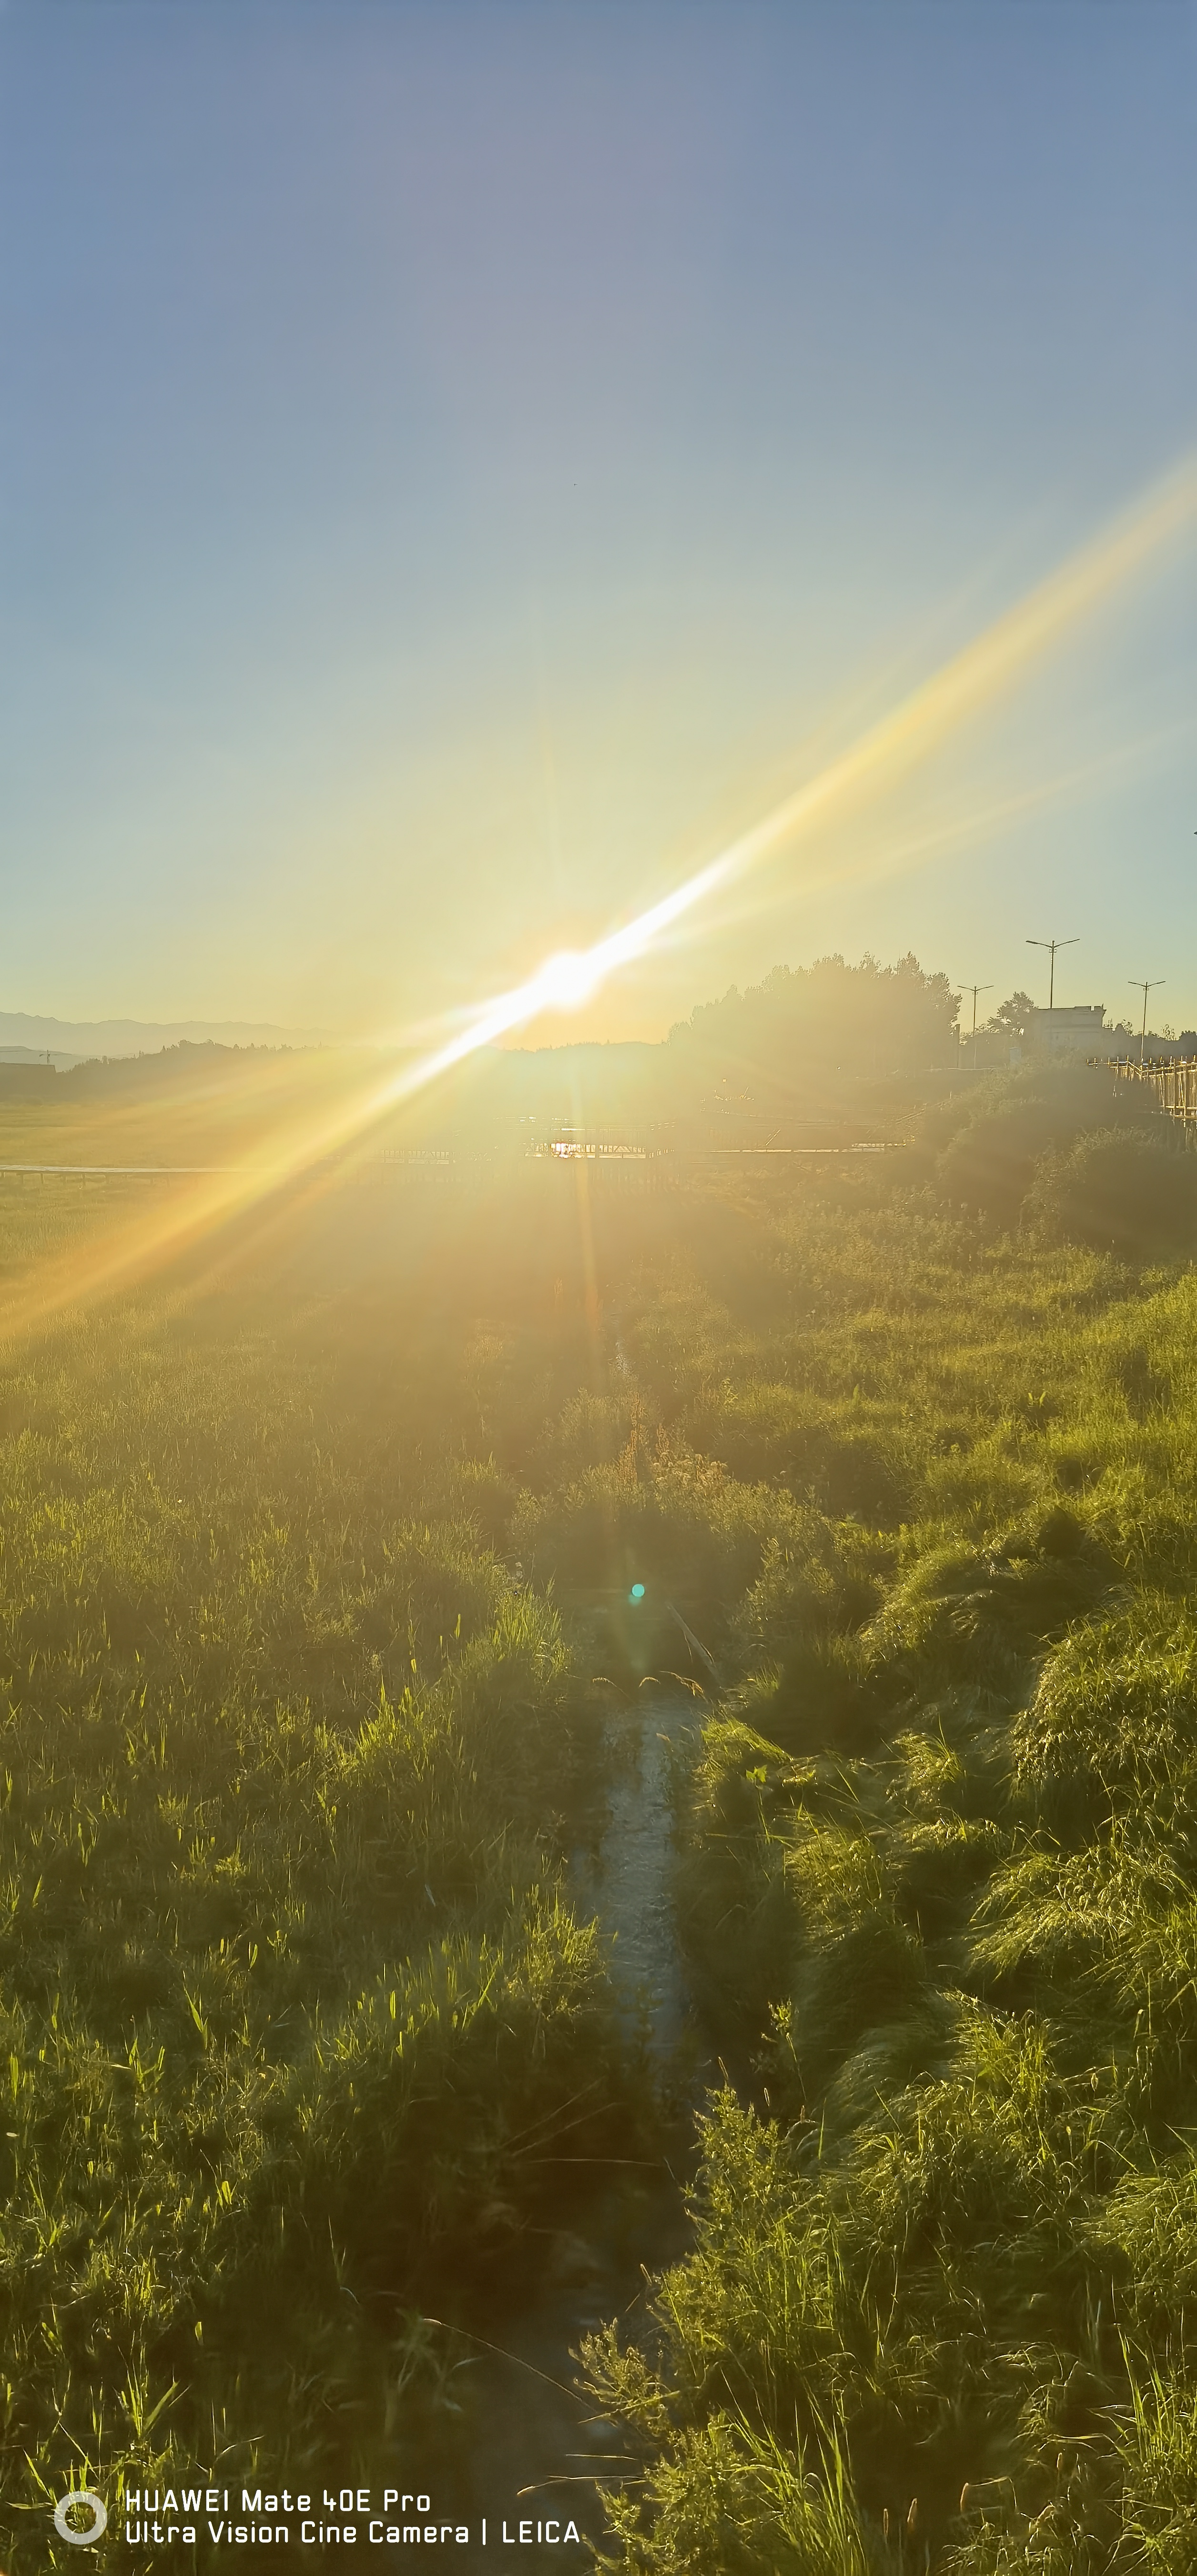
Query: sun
[{"x": 564, "y": 982}]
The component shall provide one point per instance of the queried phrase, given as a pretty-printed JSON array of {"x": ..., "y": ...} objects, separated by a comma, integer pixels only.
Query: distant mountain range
[{"x": 26, "y": 1035}]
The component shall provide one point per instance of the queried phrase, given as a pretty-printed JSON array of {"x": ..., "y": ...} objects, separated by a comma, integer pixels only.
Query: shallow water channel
[{"x": 507, "y": 2435}]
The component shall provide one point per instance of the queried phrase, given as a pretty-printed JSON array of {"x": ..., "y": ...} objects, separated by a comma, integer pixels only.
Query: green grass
[
  {"x": 293, "y": 2006},
  {"x": 305, "y": 1581},
  {"x": 938, "y": 1887}
]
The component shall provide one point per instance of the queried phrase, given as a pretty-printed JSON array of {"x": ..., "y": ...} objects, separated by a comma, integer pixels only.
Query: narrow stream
[
  {"x": 525, "y": 2446},
  {"x": 627, "y": 1884}
]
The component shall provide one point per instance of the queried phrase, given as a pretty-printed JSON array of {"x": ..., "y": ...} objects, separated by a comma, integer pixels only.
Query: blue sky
[{"x": 462, "y": 463}]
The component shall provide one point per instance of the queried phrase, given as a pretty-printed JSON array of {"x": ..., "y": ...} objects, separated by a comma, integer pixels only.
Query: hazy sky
[{"x": 461, "y": 463}]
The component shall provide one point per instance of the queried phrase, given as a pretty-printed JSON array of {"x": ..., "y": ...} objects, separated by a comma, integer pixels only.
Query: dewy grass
[
  {"x": 958, "y": 1908},
  {"x": 305, "y": 1580},
  {"x": 294, "y": 2008}
]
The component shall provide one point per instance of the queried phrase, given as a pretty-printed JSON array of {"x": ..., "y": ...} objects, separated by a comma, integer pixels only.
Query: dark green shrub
[{"x": 1125, "y": 1191}]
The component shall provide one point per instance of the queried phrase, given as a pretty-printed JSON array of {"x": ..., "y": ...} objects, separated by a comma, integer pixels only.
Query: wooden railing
[{"x": 1173, "y": 1080}]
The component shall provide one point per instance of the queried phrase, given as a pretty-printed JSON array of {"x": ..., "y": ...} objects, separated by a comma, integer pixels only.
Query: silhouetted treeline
[
  {"x": 807, "y": 1019},
  {"x": 191, "y": 1060}
]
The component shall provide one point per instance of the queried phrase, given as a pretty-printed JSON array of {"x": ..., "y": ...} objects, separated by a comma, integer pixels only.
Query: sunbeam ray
[{"x": 992, "y": 664}]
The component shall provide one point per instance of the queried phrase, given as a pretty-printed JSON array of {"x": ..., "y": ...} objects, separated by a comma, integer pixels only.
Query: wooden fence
[{"x": 1173, "y": 1080}]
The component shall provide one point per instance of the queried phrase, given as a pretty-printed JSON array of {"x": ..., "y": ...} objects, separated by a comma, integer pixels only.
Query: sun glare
[
  {"x": 568, "y": 980},
  {"x": 995, "y": 661},
  {"x": 992, "y": 663}
]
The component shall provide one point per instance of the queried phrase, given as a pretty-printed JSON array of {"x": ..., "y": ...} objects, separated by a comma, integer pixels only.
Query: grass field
[{"x": 313, "y": 1551}]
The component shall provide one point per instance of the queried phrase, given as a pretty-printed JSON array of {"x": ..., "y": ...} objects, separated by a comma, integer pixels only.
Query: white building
[{"x": 1075, "y": 1029}]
